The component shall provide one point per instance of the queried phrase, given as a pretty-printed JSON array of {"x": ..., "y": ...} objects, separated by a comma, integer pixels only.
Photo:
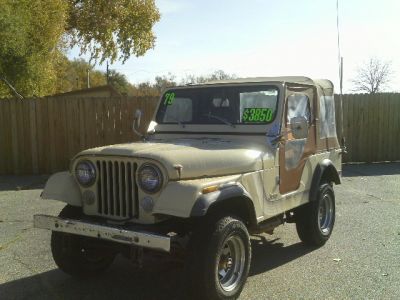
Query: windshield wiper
[
  {"x": 179, "y": 122},
  {"x": 225, "y": 121}
]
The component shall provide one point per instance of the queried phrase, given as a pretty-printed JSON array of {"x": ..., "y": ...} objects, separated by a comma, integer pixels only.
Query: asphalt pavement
[{"x": 360, "y": 261}]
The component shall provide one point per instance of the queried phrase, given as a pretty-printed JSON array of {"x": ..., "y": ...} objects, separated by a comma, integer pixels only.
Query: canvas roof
[{"x": 323, "y": 85}]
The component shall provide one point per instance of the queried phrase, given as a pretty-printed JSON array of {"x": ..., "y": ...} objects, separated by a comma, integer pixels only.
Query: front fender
[
  {"x": 204, "y": 202},
  {"x": 62, "y": 187},
  {"x": 179, "y": 197}
]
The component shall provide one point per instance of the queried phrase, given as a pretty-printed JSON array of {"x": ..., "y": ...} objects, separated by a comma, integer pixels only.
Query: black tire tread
[
  {"x": 201, "y": 253},
  {"x": 306, "y": 227},
  {"x": 69, "y": 262}
]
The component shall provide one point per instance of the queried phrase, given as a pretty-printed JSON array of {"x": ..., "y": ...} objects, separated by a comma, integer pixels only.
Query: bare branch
[
  {"x": 373, "y": 77},
  {"x": 13, "y": 90}
]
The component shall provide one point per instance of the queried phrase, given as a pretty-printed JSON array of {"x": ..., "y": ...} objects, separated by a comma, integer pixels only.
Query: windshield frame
[{"x": 212, "y": 122}]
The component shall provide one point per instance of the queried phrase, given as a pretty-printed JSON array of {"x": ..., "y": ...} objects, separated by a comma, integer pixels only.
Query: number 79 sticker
[
  {"x": 169, "y": 98},
  {"x": 257, "y": 115}
]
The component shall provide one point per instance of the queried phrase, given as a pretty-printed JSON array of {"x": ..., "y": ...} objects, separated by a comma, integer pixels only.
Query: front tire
[
  {"x": 219, "y": 260},
  {"x": 77, "y": 255},
  {"x": 315, "y": 220}
]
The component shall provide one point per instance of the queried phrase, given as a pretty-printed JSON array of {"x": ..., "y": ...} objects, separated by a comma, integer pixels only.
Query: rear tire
[
  {"x": 219, "y": 260},
  {"x": 315, "y": 220},
  {"x": 77, "y": 255}
]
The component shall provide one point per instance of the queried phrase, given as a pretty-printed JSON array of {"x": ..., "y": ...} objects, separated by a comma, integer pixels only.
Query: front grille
[{"x": 117, "y": 192}]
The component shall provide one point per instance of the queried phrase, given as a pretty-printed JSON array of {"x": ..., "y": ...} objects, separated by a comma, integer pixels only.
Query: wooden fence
[
  {"x": 40, "y": 136},
  {"x": 371, "y": 126}
]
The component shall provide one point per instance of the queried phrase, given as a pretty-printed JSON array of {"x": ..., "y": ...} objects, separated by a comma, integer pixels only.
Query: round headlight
[
  {"x": 150, "y": 178},
  {"x": 85, "y": 173}
]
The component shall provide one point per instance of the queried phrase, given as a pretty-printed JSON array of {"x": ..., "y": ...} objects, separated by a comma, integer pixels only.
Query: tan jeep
[{"x": 220, "y": 161}]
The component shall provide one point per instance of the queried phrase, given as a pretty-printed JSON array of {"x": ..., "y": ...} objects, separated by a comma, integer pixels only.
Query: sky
[{"x": 269, "y": 38}]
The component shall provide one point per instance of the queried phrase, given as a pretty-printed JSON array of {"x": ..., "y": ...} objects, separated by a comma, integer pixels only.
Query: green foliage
[
  {"x": 169, "y": 80},
  {"x": 162, "y": 82},
  {"x": 35, "y": 33},
  {"x": 119, "y": 82},
  {"x": 72, "y": 75},
  {"x": 143, "y": 89},
  {"x": 112, "y": 29},
  {"x": 29, "y": 42}
]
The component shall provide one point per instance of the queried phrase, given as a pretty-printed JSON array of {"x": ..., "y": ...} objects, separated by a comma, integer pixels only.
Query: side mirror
[
  {"x": 152, "y": 128},
  {"x": 137, "y": 118},
  {"x": 136, "y": 122},
  {"x": 299, "y": 127}
]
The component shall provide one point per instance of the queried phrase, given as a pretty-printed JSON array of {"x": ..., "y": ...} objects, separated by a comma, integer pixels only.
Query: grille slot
[{"x": 117, "y": 192}]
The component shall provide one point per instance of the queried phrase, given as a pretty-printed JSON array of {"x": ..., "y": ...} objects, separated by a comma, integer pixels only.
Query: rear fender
[{"x": 325, "y": 170}]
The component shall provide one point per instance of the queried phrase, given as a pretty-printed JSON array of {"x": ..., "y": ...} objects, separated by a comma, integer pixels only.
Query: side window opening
[
  {"x": 298, "y": 105},
  {"x": 327, "y": 128}
]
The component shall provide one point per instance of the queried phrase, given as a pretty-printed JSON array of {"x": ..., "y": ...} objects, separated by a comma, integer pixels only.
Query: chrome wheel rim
[
  {"x": 231, "y": 263},
  {"x": 325, "y": 214}
]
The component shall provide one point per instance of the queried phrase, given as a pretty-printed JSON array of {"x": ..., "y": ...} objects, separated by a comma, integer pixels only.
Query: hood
[{"x": 205, "y": 157}]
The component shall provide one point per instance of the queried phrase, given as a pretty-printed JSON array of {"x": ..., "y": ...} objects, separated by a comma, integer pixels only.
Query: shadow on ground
[
  {"x": 123, "y": 281},
  {"x": 17, "y": 183},
  {"x": 374, "y": 169}
]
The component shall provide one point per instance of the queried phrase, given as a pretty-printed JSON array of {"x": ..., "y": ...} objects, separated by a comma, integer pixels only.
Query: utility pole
[
  {"x": 341, "y": 75},
  {"x": 88, "y": 77},
  {"x": 108, "y": 74}
]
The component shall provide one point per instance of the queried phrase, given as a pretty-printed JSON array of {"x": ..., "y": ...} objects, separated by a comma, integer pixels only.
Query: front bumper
[{"x": 106, "y": 232}]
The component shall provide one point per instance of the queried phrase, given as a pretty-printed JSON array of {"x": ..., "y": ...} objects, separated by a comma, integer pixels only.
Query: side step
[{"x": 269, "y": 225}]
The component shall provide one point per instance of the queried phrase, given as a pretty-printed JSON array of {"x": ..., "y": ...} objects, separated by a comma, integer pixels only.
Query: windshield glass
[{"x": 219, "y": 105}]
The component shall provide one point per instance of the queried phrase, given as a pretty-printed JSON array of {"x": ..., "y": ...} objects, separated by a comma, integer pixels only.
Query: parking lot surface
[{"x": 360, "y": 261}]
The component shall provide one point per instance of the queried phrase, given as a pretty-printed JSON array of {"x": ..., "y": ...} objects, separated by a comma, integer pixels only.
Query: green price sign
[
  {"x": 169, "y": 98},
  {"x": 257, "y": 115}
]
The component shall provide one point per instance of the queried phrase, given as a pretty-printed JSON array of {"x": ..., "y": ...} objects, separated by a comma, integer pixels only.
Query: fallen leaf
[{"x": 337, "y": 259}]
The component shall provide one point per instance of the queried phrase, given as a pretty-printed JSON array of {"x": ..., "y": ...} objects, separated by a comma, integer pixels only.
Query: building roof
[{"x": 101, "y": 88}]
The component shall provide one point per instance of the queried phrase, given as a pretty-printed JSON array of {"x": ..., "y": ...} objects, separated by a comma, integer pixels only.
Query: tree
[
  {"x": 164, "y": 81},
  {"x": 169, "y": 80},
  {"x": 112, "y": 29},
  {"x": 143, "y": 89},
  {"x": 35, "y": 34},
  {"x": 221, "y": 75},
  {"x": 29, "y": 45},
  {"x": 72, "y": 75},
  {"x": 216, "y": 75},
  {"x": 373, "y": 77},
  {"x": 119, "y": 82}
]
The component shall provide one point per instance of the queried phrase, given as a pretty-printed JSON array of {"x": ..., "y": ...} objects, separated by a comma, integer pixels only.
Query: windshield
[{"x": 219, "y": 105}]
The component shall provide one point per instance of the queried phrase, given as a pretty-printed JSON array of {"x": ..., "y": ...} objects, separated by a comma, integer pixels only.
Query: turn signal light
[{"x": 209, "y": 189}]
